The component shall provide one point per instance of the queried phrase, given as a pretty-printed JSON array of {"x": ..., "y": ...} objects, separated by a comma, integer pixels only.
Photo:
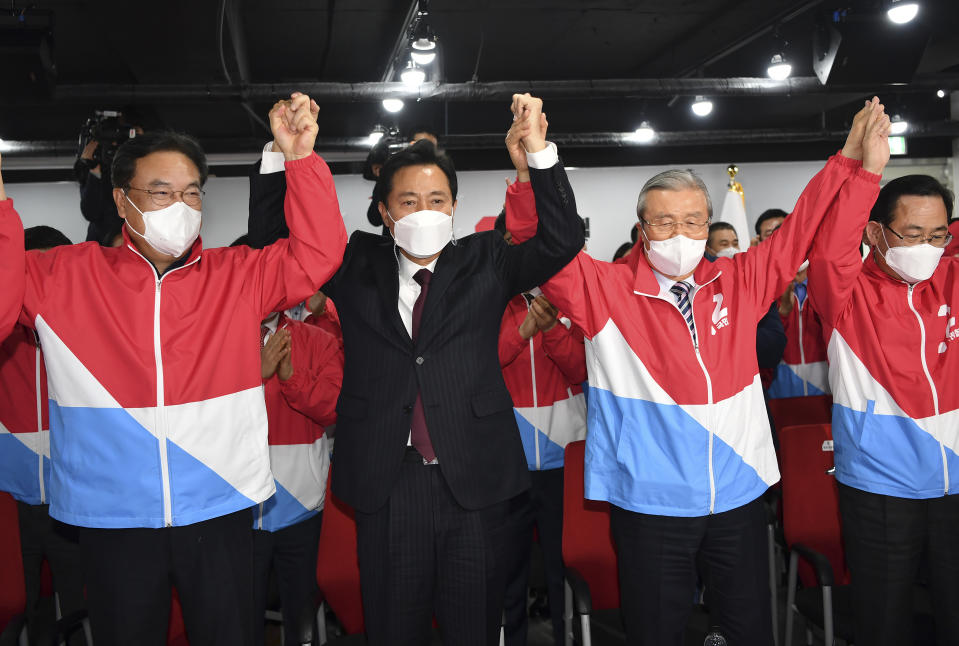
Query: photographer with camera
[{"x": 100, "y": 137}]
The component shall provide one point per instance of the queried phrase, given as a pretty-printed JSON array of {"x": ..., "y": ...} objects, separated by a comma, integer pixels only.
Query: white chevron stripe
[
  {"x": 68, "y": 380},
  {"x": 301, "y": 469}
]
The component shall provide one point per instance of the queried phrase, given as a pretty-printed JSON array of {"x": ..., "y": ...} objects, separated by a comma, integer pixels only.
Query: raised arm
[
  {"x": 835, "y": 260},
  {"x": 768, "y": 267},
  {"x": 12, "y": 271},
  {"x": 292, "y": 269},
  {"x": 559, "y": 236}
]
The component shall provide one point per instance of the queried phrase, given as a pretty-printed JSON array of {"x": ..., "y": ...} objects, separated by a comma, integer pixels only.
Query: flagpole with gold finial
[{"x": 732, "y": 170}]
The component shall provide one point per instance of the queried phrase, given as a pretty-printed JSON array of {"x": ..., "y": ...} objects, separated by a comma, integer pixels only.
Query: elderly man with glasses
[
  {"x": 890, "y": 324},
  {"x": 678, "y": 439}
]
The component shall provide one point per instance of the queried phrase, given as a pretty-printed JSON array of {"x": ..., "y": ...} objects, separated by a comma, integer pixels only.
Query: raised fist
[{"x": 294, "y": 126}]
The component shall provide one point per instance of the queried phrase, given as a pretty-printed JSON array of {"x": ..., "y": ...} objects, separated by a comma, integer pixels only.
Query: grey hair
[{"x": 675, "y": 179}]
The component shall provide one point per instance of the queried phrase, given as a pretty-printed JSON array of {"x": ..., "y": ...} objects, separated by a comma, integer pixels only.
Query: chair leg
[
  {"x": 587, "y": 632},
  {"x": 773, "y": 587},
  {"x": 567, "y": 614},
  {"x": 791, "y": 596},
  {"x": 808, "y": 636},
  {"x": 23, "y": 639},
  {"x": 321, "y": 623},
  {"x": 87, "y": 631},
  {"x": 827, "y": 625}
]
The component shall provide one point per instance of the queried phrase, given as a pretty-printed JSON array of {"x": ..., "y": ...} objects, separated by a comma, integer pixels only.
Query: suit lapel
[
  {"x": 388, "y": 285},
  {"x": 447, "y": 267}
]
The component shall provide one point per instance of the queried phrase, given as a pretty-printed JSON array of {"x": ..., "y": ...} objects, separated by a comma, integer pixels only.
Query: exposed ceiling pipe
[
  {"x": 488, "y": 91},
  {"x": 21, "y": 149}
]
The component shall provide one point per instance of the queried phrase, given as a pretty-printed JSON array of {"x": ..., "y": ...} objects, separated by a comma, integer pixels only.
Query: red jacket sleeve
[
  {"x": 835, "y": 260},
  {"x": 766, "y": 268},
  {"x": 292, "y": 269},
  {"x": 565, "y": 347},
  {"x": 12, "y": 270},
  {"x": 510, "y": 341},
  {"x": 317, "y": 373},
  {"x": 567, "y": 289}
]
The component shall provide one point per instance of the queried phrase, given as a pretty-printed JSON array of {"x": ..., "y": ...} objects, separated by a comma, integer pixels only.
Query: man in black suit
[{"x": 427, "y": 448}]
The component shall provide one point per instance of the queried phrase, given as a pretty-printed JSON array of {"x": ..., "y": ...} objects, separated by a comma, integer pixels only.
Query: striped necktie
[{"x": 681, "y": 291}]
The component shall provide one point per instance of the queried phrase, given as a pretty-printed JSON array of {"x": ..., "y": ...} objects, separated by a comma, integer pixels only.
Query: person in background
[
  {"x": 544, "y": 366},
  {"x": 622, "y": 251},
  {"x": 678, "y": 441},
  {"x": 893, "y": 365},
  {"x": 767, "y": 223},
  {"x": 420, "y": 131},
  {"x": 158, "y": 426},
  {"x": 803, "y": 371},
  {"x": 722, "y": 241},
  {"x": 25, "y": 466},
  {"x": 302, "y": 370}
]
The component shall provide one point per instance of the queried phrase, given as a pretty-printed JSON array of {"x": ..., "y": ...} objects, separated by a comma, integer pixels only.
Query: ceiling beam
[{"x": 487, "y": 91}]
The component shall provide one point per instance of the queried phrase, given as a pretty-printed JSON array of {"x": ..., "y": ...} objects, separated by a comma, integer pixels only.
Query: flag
[{"x": 734, "y": 212}]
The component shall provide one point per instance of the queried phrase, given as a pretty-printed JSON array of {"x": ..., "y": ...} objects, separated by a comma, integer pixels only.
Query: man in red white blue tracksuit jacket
[
  {"x": 803, "y": 371},
  {"x": 544, "y": 367},
  {"x": 679, "y": 442},
  {"x": 158, "y": 427},
  {"x": 302, "y": 369},
  {"x": 894, "y": 370}
]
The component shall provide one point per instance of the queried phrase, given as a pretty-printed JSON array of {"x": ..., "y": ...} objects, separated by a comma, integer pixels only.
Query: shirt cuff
[
  {"x": 272, "y": 162},
  {"x": 545, "y": 158}
]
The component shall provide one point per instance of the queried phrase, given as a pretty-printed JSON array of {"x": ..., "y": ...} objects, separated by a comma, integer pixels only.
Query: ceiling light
[
  {"x": 413, "y": 75},
  {"x": 392, "y": 105},
  {"x": 701, "y": 106},
  {"x": 898, "y": 126},
  {"x": 779, "y": 68},
  {"x": 902, "y": 11},
  {"x": 941, "y": 93},
  {"x": 644, "y": 133},
  {"x": 423, "y": 50},
  {"x": 376, "y": 134}
]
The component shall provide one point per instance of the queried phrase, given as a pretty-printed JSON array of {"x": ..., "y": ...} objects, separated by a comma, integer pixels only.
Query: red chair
[
  {"x": 812, "y": 530},
  {"x": 13, "y": 594},
  {"x": 337, "y": 567},
  {"x": 797, "y": 411},
  {"x": 592, "y": 580}
]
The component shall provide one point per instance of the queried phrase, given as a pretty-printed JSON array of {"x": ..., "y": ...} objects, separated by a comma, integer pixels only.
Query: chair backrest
[
  {"x": 795, "y": 411},
  {"x": 811, "y": 498},
  {"x": 587, "y": 539},
  {"x": 337, "y": 566},
  {"x": 13, "y": 595}
]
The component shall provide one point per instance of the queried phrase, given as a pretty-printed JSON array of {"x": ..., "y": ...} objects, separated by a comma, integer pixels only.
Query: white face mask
[
  {"x": 676, "y": 256},
  {"x": 170, "y": 230},
  {"x": 912, "y": 263},
  {"x": 423, "y": 234},
  {"x": 728, "y": 252}
]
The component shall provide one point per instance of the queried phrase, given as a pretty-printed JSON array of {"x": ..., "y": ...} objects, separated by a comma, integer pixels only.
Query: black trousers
[
  {"x": 658, "y": 560},
  {"x": 546, "y": 513},
  {"x": 885, "y": 538},
  {"x": 42, "y": 537},
  {"x": 291, "y": 553},
  {"x": 423, "y": 554},
  {"x": 130, "y": 573}
]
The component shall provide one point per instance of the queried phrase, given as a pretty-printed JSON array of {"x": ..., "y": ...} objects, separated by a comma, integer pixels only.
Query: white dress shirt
[{"x": 409, "y": 288}]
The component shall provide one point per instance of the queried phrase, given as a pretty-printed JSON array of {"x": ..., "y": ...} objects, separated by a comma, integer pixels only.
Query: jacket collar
[
  {"x": 195, "y": 252},
  {"x": 645, "y": 283}
]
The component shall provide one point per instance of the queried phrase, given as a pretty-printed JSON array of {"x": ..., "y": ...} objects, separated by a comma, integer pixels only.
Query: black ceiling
[{"x": 101, "y": 51}]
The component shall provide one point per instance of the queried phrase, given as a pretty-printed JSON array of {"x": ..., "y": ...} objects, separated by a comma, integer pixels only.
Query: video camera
[{"x": 109, "y": 129}]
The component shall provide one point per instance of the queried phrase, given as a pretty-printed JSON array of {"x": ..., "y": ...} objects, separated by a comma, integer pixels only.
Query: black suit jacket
[{"x": 454, "y": 363}]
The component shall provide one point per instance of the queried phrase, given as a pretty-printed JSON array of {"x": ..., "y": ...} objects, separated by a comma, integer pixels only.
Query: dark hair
[
  {"x": 378, "y": 155},
  {"x": 421, "y": 128},
  {"x": 422, "y": 153},
  {"x": 721, "y": 226},
  {"x": 922, "y": 185},
  {"x": 43, "y": 237},
  {"x": 769, "y": 214},
  {"x": 125, "y": 161},
  {"x": 634, "y": 234},
  {"x": 500, "y": 224},
  {"x": 622, "y": 250},
  {"x": 242, "y": 241}
]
